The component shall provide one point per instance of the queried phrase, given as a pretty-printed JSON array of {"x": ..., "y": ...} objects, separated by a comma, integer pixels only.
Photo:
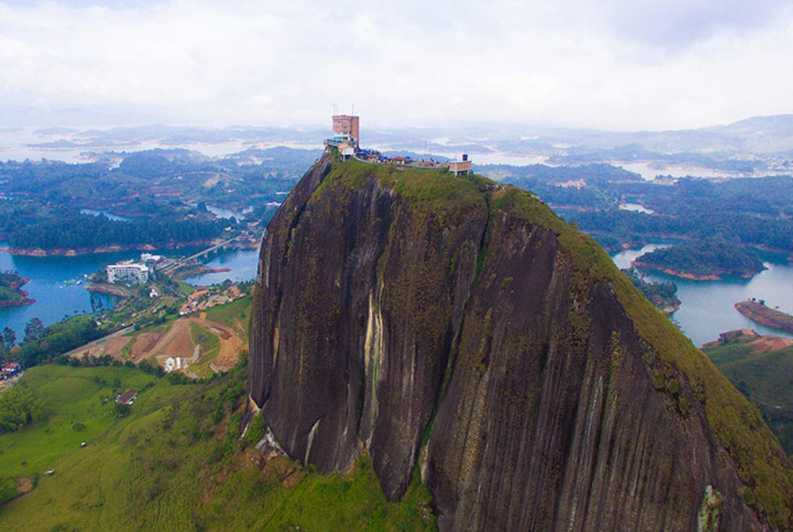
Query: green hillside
[
  {"x": 176, "y": 462},
  {"x": 765, "y": 377}
]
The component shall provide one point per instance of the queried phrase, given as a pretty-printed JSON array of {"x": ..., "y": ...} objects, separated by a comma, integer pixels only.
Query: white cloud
[{"x": 598, "y": 64}]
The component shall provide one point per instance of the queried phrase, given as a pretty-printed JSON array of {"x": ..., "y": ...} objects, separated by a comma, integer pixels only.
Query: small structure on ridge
[{"x": 463, "y": 167}]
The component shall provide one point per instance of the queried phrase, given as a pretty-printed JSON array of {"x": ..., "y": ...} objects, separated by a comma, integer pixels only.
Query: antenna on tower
[
  {"x": 353, "y": 110},
  {"x": 335, "y": 109}
]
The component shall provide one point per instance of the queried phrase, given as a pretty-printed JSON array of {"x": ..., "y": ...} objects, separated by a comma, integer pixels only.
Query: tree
[
  {"x": 34, "y": 330},
  {"x": 122, "y": 410},
  {"x": 9, "y": 337},
  {"x": 19, "y": 406}
]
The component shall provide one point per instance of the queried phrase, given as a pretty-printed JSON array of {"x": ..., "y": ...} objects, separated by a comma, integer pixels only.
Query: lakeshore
[
  {"x": 75, "y": 252},
  {"x": 715, "y": 275},
  {"x": 108, "y": 289},
  {"x": 680, "y": 274},
  {"x": 58, "y": 283},
  {"x": 707, "y": 307}
]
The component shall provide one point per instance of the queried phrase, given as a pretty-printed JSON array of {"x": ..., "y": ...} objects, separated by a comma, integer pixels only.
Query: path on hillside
[{"x": 92, "y": 347}]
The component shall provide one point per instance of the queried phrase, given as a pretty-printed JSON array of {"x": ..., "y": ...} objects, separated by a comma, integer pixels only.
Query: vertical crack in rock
[
  {"x": 311, "y": 435},
  {"x": 374, "y": 352}
]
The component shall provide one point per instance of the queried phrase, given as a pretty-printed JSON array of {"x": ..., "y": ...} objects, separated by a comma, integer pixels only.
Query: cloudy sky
[{"x": 617, "y": 64}]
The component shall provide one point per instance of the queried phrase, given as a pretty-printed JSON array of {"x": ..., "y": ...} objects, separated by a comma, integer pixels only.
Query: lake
[
  {"x": 53, "y": 282},
  {"x": 241, "y": 262},
  {"x": 707, "y": 306}
]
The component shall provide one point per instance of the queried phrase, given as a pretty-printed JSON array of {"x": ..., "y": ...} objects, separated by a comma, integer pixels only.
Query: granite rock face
[{"x": 456, "y": 327}]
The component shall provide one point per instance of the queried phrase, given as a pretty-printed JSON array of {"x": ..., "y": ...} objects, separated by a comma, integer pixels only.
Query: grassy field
[
  {"x": 177, "y": 463},
  {"x": 78, "y": 406},
  {"x": 236, "y": 314},
  {"x": 210, "y": 347}
]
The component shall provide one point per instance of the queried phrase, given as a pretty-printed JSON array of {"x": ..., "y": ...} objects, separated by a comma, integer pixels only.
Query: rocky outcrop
[{"x": 454, "y": 327}]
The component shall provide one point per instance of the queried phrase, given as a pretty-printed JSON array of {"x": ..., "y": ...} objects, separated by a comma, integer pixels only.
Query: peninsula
[
  {"x": 11, "y": 293},
  {"x": 757, "y": 311},
  {"x": 705, "y": 260}
]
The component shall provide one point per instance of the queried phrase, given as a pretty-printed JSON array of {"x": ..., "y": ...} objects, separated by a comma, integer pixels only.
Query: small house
[
  {"x": 127, "y": 398},
  {"x": 10, "y": 369}
]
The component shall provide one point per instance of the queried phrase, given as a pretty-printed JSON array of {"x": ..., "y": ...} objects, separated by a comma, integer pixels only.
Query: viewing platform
[{"x": 346, "y": 140}]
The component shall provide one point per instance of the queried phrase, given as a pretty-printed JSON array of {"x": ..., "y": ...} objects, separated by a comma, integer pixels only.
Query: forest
[
  {"x": 41, "y": 343},
  {"x": 10, "y": 292},
  {"x": 662, "y": 294},
  {"x": 86, "y": 231},
  {"x": 747, "y": 212},
  {"x": 713, "y": 257},
  {"x": 157, "y": 197}
]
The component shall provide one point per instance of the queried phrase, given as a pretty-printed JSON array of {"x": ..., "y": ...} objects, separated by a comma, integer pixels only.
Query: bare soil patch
[
  {"x": 112, "y": 346},
  {"x": 143, "y": 344},
  {"x": 24, "y": 485},
  {"x": 176, "y": 342},
  {"x": 770, "y": 343},
  {"x": 115, "y": 345},
  {"x": 230, "y": 343}
]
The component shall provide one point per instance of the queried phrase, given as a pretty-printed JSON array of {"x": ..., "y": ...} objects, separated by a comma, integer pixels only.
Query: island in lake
[
  {"x": 702, "y": 260},
  {"x": 11, "y": 293},
  {"x": 757, "y": 311}
]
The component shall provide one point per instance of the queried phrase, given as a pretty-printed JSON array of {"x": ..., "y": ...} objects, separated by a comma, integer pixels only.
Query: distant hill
[{"x": 760, "y": 134}]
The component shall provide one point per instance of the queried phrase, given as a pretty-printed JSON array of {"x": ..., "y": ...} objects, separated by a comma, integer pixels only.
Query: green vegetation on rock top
[{"x": 435, "y": 190}]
